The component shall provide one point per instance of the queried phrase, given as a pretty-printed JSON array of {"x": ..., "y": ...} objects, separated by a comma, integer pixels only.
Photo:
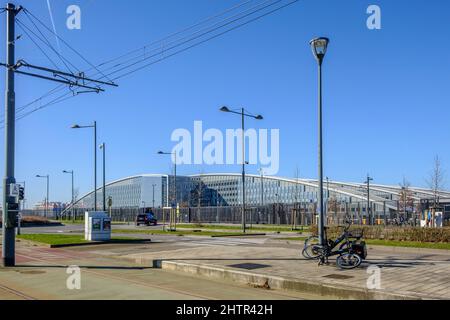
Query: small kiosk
[{"x": 97, "y": 226}]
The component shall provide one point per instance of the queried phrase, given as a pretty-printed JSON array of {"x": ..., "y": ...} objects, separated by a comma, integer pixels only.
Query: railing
[{"x": 278, "y": 214}]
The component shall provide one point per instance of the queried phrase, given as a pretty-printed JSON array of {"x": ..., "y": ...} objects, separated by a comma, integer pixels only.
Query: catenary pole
[{"x": 10, "y": 205}]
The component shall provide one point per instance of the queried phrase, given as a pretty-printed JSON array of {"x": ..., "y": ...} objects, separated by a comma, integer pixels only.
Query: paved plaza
[{"x": 253, "y": 267}]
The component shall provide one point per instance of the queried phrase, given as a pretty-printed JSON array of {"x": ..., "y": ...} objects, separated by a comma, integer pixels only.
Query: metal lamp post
[
  {"x": 369, "y": 215},
  {"x": 94, "y": 126},
  {"x": 319, "y": 47},
  {"x": 261, "y": 171},
  {"x": 243, "y": 114},
  {"x": 175, "y": 173},
  {"x": 103, "y": 148},
  {"x": 46, "y": 200},
  {"x": 153, "y": 199},
  {"x": 73, "y": 193}
]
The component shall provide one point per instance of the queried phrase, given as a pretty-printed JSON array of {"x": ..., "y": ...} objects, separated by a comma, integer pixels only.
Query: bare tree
[
  {"x": 406, "y": 199},
  {"x": 436, "y": 179}
]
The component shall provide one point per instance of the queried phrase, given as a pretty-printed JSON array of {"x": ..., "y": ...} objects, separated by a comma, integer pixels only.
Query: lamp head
[
  {"x": 75, "y": 126},
  {"x": 259, "y": 117},
  {"x": 225, "y": 109},
  {"x": 319, "y": 47}
]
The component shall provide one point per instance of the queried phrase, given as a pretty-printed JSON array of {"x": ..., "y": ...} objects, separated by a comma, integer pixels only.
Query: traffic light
[
  {"x": 21, "y": 193},
  {"x": 13, "y": 211}
]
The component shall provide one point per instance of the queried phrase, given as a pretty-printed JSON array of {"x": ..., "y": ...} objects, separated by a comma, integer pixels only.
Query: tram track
[
  {"x": 16, "y": 293},
  {"x": 140, "y": 283}
]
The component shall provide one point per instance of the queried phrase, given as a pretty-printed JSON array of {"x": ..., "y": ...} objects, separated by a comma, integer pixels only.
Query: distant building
[
  {"x": 52, "y": 206},
  {"x": 209, "y": 190}
]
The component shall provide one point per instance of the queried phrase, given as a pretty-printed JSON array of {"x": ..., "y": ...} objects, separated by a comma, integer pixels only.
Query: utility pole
[
  {"x": 244, "y": 227},
  {"x": 262, "y": 186},
  {"x": 73, "y": 198},
  {"x": 174, "y": 197},
  {"x": 10, "y": 205},
  {"x": 47, "y": 199},
  {"x": 103, "y": 147},
  {"x": 10, "y": 201},
  {"x": 242, "y": 113},
  {"x": 368, "y": 199},
  {"x": 153, "y": 200}
]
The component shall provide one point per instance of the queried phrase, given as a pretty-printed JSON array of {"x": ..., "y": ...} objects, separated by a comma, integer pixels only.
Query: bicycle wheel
[
  {"x": 312, "y": 252},
  {"x": 309, "y": 251},
  {"x": 348, "y": 261}
]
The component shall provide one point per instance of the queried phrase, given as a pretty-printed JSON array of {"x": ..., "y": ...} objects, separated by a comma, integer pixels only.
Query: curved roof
[{"x": 354, "y": 190}]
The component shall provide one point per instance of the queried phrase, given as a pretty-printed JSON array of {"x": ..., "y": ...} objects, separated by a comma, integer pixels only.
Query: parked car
[{"x": 146, "y": 219}]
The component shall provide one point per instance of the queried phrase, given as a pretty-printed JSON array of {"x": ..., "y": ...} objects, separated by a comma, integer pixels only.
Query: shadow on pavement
[{"x": 82, "y": 267}]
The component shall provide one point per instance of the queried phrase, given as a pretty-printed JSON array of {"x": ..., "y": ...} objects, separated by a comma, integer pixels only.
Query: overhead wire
[
  {"x": 129, "y": 64},
  {"x": 200, "y": 33},
  {"x": 62, "y": 40},
  {"x": 48, "y": 43}
]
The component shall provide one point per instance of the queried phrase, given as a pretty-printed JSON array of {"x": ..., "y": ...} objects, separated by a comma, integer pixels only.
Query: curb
[
  {"x": 275, "y": 282},
  {"x": 86, "y": 244},
  {"x": 239, "y": 235}
]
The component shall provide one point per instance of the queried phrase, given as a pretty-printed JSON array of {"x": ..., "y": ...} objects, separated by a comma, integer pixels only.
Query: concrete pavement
[
  {"x": 269, "y": 261},
  {"x": 405, "y": 273},
  {"x": 41, "y": 273}
]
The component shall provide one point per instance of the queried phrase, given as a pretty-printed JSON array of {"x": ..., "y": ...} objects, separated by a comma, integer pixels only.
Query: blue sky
[{"x": 386, "y": 91}]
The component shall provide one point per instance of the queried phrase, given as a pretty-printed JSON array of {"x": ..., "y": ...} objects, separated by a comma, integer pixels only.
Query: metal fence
[{"x": 388, "y": 212}]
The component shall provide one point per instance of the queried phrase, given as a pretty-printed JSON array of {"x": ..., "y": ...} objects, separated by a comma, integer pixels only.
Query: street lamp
[
  {"x": 103, "y": 148},
  {"x": 319, "y": 47},
  {"x": 175, "y": 175},
  {"x": 243, "y": 114},
  {"x": 46, "y": 200},
  {"x": 261, "y": 171},
  {"x": 153, "y": 200},
  {"x": 94, "y": 126},
  {"x": 369, "y": 216},
  {"x": 73, "y": 197}
]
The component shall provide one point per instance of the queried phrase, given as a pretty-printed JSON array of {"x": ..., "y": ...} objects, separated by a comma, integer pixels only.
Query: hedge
[{"x": 395, "y": 233}]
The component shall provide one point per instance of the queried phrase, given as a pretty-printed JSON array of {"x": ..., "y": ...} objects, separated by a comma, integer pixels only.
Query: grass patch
[
  {"x": 53, "y": 239},
  {"x": 177, "y": 233},
  {"x": 410, "y": 244},
  {"x": 61, "y": 239}
]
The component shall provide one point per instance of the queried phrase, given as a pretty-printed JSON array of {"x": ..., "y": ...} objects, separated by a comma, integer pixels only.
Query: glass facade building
[{"x": 210, "y": 190}]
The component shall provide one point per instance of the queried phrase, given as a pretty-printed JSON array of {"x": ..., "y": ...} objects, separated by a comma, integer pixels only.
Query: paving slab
[{"x": 405, "y": 273}]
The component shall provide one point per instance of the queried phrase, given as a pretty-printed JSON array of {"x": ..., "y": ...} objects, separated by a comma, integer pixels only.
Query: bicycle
[{"x": 351, "y": 252}]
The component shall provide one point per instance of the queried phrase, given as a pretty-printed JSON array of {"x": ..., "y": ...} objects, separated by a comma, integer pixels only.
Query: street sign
[{"x": 14, "y": 190}]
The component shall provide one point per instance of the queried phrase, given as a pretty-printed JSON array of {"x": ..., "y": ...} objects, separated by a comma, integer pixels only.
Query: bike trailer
[{"x": 360, "y": 249}]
